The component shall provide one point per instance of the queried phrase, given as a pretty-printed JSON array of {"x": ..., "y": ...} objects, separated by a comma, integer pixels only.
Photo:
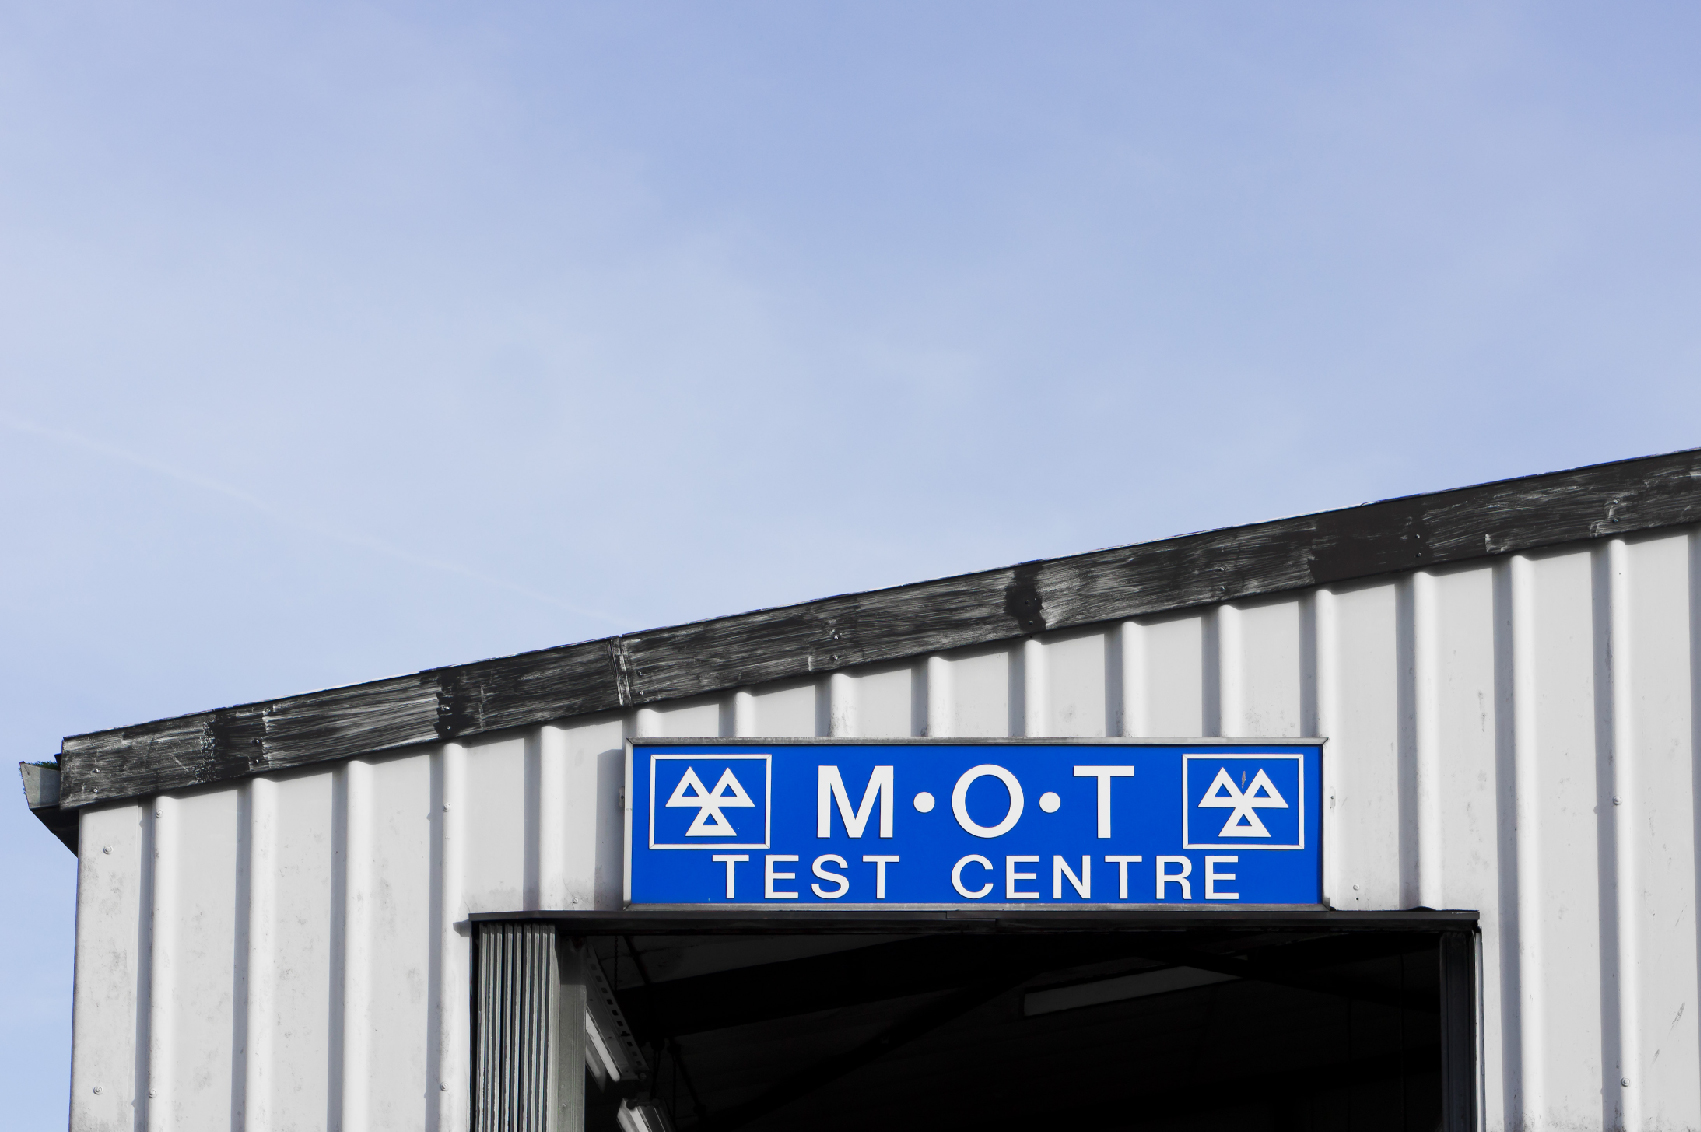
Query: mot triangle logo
[
  {"x": 1224, "y": 794},
  {"x": 710, "y": 822}
]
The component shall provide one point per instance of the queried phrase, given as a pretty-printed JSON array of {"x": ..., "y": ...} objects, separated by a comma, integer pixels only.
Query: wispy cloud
[{"x": 291, "y": 519}]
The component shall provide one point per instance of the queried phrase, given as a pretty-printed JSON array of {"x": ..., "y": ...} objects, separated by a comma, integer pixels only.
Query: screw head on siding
[
  {"x": 1624, "y": 1081},
  {"x": 97, "y": 1088},
  {"x": 107, "y": 849}
]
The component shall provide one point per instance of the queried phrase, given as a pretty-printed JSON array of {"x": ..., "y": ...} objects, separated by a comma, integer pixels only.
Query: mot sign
[{"x": 960, "y": 822}]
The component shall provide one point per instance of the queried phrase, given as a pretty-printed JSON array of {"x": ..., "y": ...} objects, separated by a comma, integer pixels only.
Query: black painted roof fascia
[{"x": 888, "y": 625}]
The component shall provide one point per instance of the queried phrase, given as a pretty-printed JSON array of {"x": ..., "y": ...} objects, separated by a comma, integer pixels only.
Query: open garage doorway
[{"x": 1332, "y": 1022}]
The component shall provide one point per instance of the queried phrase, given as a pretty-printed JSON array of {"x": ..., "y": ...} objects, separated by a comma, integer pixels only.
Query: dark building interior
[{"x": 1230, "y": 1027}]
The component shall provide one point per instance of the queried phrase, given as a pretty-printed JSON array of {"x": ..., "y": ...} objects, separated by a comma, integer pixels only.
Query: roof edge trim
[{"x": 904, "y": 622}]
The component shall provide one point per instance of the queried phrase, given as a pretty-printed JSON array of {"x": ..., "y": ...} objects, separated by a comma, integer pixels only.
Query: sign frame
[{"x": 634, "y": 743}]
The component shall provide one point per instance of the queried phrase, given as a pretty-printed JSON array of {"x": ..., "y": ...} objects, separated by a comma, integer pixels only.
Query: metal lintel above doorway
[{"x": 746, "y": 921}]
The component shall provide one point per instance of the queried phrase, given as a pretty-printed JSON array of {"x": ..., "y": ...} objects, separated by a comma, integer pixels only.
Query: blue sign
[{"x": 955, "y": 823}]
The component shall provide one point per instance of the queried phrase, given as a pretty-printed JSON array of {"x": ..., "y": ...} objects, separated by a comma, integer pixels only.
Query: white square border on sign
[
  {"x": 767, "y": 800},
  {"x": 1187, "y": 802}
]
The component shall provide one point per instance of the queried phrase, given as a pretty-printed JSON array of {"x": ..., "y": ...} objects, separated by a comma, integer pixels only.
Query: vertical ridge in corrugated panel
[
  {"x": 743, "y": 712},
  {"x": 1531, "y": 937},
  {"x": 260, "y": 976},
  {"x": 446, "y": 1068},
  {"x": 1611, "y": 750},
  {"x": 1308, "y": 664},
  {"x": 1405, "y": 738},
  {"x": 359, "y": 864},
  {"x": 842, "y": 714},
  {"x": 246, "y": 993},
  {"x": 161, "y": 991},
  {"x": 337, "y": 949},
  {"x": 530, "y": 805},
  {"x": 1508, "y": 651},
  {"x": 822, "y": 687},
  {"x": 1326, "y": 650},
  {"x": 147, "y": 904},
  {"x": 941, "y": 700},
  {"x": 1129, "y": 675},
  {"x": 1211, "y": 671},
  {"x": 1226, "y": 677},
  {"x": 1426, "y": 741},
  {"x": 1029, "y": 710}
]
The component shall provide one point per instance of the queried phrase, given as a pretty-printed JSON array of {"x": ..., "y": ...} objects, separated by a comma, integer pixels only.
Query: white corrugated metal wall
[{"x": 1516, "y": 736}]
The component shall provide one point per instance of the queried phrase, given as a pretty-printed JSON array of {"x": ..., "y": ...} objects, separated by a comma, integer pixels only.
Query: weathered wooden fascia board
[
  {"x": 385, "y": 715},
  {"x": 886, "y": 625}
]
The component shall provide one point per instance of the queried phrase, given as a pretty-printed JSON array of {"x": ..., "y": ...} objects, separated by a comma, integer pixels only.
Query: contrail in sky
[{"x": 364, "y": 542}]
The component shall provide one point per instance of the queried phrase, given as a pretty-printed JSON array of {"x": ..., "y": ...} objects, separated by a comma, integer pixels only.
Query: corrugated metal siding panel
[
  {"x": 1460, "y": 711},
  {"x": 1654, "y": 702},
  {"x": 1165, "y": 689},
  {"x": 289, "y": 1045},
  {"x": 200, "y": 930},
  {"x": 109, "y": 1013},
  {"x": 286, "y": 952}
]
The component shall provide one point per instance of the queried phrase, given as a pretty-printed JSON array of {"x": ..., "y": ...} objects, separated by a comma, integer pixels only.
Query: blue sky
[{"x": 344, "y": 340}]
